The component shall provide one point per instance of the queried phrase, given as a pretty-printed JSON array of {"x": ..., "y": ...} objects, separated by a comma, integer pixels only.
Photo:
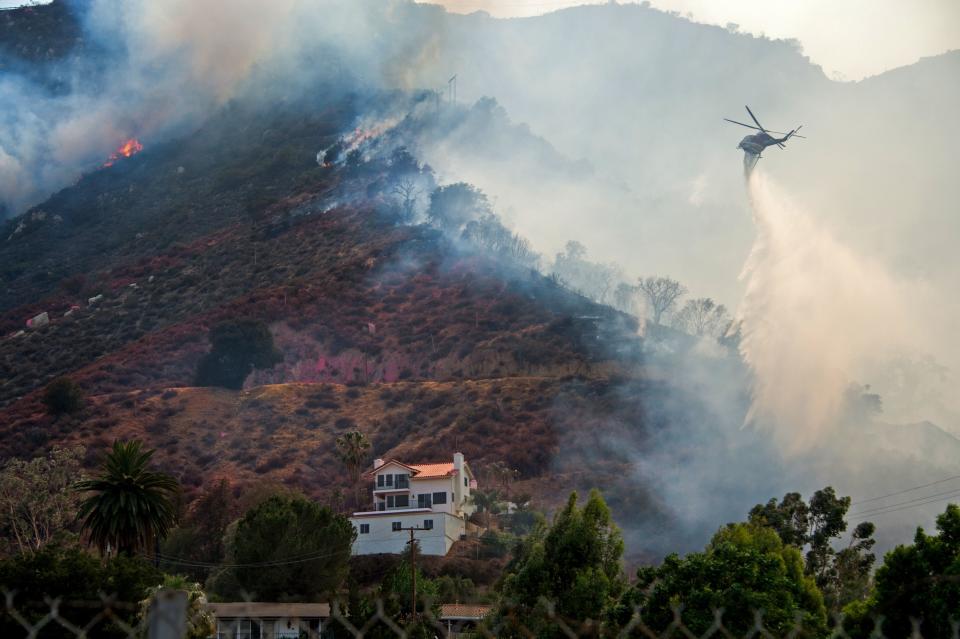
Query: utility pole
[
  {"x": 452, "y": 86},
  {"x": 413, "y": 569}
]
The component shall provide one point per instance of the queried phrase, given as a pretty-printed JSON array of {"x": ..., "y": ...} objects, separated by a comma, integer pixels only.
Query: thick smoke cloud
[{"x": 160, "y": 68}]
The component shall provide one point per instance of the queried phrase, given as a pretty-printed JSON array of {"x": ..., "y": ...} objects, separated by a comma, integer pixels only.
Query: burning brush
[
  {"x": 361, "y": 140},
  {"x": 125, "y": 150}
]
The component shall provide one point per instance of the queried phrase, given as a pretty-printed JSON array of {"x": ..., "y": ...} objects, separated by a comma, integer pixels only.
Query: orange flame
[{"x": 125, "y": 150}]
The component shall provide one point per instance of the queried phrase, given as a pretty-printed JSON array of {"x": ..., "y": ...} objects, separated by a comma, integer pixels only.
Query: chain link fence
[{"x": 168, "y": 616}]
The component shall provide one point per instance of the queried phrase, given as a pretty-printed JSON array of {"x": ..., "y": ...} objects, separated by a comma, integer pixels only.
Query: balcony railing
[{"x": 400, "y": 483}]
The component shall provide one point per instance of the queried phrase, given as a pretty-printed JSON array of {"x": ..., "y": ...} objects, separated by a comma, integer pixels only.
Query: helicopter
[{"x": 754, "y": 145}]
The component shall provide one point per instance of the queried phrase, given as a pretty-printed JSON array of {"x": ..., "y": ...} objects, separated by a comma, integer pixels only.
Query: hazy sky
[{"x": 850, "y": 39}]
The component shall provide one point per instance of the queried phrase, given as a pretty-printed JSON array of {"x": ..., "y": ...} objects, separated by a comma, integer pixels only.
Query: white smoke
[
  {"x": 163, "y": 67},
  {"x": 815, "y": 317}
]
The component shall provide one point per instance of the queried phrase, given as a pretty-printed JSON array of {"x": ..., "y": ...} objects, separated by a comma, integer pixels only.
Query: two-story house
[{"x": 432, "y": 497}]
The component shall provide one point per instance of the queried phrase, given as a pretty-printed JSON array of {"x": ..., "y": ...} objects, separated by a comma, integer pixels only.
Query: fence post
[{"x": 168, "y": 615}]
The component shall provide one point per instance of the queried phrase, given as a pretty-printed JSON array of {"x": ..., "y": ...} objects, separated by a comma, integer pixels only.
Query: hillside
[
  {"x": 300, "y": 197},
  {"x": 423, "y": 344}
]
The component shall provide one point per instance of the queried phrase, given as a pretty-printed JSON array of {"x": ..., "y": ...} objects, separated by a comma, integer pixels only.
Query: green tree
[
  {"x": 37, "y": 500},
  {"x": 573, "y": 564},
  {"x": 201, "y": 537},
  {"x": 853, "y": 565},
  {"x": 919, "y": 581},
  {"x": 237, "y": 348},
  {"x": 815, "y": 526},
  {"x": 129, "y": 506},
  {"x": 455, "y": 589},
  {"x": 287, "y": 548},
  {"x": 398, "y": 583},
  {"x": 77, "y": 579},
  {"x": 62, "y": 396},
  {"x": 201, "y": 623},
  {"x": 454, "y": 205},
  {"x": 744, "y": 570},
  {"x": 486, "y": 502},
  {"x": 352, "y": 450}
]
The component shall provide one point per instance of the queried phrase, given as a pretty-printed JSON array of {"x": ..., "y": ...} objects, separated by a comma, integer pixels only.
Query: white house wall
[
  {"x": 383, "y": 539},
  {"x": 430, "y": 486}
]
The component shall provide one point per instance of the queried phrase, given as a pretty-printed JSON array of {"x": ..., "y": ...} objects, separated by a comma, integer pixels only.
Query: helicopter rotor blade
[
  {"x": 756, "y": 129},
  {"x": 742, "y": 124},
  {"x": 754, "y": 118}
]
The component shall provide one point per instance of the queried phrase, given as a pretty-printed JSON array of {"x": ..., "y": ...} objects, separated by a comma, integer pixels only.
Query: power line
[
  {"x": 294, "y": 559},
  {"x": 906, "y": 490},
  {"x": 904, "y": 505}
]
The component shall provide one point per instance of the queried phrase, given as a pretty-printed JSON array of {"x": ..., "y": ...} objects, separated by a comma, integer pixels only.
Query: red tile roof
[
  {"x": 430, "y": 471},
  {"x": 464, "y": 611}
]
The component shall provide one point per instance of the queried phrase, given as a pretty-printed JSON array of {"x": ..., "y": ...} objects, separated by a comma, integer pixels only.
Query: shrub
[
  {"x": 239, "y": 346},
  {"x": 62, "y": 395}
]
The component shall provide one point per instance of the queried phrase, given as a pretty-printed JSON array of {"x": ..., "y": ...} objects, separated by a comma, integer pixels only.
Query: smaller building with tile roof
[{"x": 434, "y": 499}]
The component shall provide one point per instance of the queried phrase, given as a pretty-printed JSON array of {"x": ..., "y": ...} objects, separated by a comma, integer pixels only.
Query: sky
[
  {"x": 836, "y": 34},
  {"x": 850, "y": 39}
]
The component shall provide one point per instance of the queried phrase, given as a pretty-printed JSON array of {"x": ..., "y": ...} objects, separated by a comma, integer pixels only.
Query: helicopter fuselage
[{"x": 756, "y": 143}]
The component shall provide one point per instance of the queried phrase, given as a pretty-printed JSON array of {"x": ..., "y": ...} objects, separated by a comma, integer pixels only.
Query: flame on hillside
[
  {"x": 125, "y": 150},
  {"x": 361, "y": 139}
]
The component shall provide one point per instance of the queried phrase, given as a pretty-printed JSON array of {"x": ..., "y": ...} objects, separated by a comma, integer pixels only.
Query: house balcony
[{"x": 401, "y": 483}]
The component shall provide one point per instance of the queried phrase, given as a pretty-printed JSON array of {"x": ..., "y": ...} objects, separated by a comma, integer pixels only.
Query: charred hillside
[{"x": 384, "y": 325}]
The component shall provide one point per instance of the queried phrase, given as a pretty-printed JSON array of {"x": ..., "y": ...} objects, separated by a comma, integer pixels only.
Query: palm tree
[
  {"x": 352, "y": 450},
  {"x": 487, "y": 502},
  {"x": 130, "y": 506}
]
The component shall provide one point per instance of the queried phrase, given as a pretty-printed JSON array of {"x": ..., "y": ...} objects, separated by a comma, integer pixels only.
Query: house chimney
[
  {"x": 377, "y": 463},
  {"x": 458, "y": 481}
]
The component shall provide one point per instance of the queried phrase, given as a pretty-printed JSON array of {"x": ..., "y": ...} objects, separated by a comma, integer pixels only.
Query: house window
[
  {"x": 428, "y": 524},
  {"x": 466, "y": 483},
  {"x": 380, "y": 481},
  {"x": 389, "y": 480},
  {"x": 237, "y": 629},
  {"x": 423, "y": 501},
  {"x": 398, "y": 501},
  {"x": 364, "y": 529},
  {"x": 395, "y": 526},
  {"x": 440, "y": 498},
  {"x": 403, "y": 481}
]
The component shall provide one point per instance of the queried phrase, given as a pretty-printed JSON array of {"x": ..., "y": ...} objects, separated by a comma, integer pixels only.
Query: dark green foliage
[
  {"x": 454, "y": 205},
  {"x": 852, "y": 567},
  {"x": 397, "y": 584},
  {"x": 74, "y": 576},
  {"x": 62, "y": 395},
  {"x": 308, "y": 544},
  {"x": 745, "y": 568},
  {"x": 455, "y": 589},
  {"x": 842, "y": 577},
  {"x": 574, "y": 563},
  {"x": 200, "y": 538},
  {"x": 129, "y": 506},
  {"x": 238, "y": 347},
  {"x": 919, "y": 581}
]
